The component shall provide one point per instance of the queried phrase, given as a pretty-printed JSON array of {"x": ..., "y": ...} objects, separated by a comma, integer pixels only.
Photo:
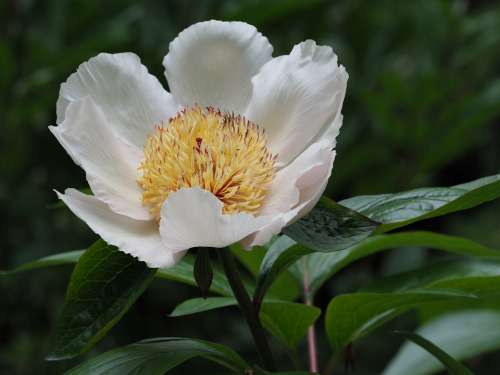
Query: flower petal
[
  {"x": 297, "y": 97},
  {"x": 192, "y": 217},
  {"x": 110, "y": 164},
  {"x": 132, "y": 100},
  {"x": 311, "y": 184},
  {"x": 211, "y": 64},
  {"x": 138, "y": 238},
  {"x": 295, "y": 190}
]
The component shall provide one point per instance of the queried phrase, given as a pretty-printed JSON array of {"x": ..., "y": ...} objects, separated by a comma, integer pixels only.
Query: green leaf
[
  {"x": 284, "y": 287},
  {"x": 351, "y": 316},
  {"x": 250, "y": 259},
  {"x": 322, "y": 266},
  {"x": 452, "y": 365},
  {"x": 198, "y": 305},
  {"x": 69, "y": 257},
  {"x": 280, "y": 256},
  {"x": 330, "y": 227},
  {"x": 478, "y": 276},
  {"x": 400, "y": 209},
  {"x": 288, "y": 321},
  {"x": 103, "y": 286},
  {"x": 182, "y": 272},
  {"x": 462, "y": 334},
  {"x": 158, "y": 356}
]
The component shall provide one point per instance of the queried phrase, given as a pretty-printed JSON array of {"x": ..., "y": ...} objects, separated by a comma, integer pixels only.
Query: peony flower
[{"x": 241, "y": 146}]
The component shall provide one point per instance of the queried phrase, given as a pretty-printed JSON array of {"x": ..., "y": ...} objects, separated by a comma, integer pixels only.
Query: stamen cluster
[{"x": 220, "y": 152}]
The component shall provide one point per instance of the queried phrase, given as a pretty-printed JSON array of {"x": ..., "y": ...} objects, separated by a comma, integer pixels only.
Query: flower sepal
[{"x": 202, "y": 271}]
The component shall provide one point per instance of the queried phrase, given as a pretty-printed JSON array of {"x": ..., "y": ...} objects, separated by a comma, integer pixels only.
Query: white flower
[{"x": 240, "y": 147}]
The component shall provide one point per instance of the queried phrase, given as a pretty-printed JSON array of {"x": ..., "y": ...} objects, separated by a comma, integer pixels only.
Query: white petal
[
  {"x": 295, "y": 190},
  {"x": 193, "y": 217},
  {"x": 132, "y": 100},
  {"x": 138, "y": 238},
  {"x": 295, "y": 183},
  {"x": 211, "y": 64},
  {"x": 311, "y": 184},
  {"x": 264, "y": 235},
  {"x": 296, "y": 98},
  {"x": 110, "y": 164},
  {"x": 331, "y": 131}
]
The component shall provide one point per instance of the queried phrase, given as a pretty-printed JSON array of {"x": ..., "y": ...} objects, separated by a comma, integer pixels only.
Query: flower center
[{"x": 216, "y": 151}]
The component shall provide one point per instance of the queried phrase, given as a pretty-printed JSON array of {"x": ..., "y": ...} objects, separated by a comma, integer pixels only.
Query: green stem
[{"x": 247, "y": 307}]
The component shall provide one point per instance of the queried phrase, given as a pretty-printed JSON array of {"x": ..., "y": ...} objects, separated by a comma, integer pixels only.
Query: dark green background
[{"x": 422, "y": 108}]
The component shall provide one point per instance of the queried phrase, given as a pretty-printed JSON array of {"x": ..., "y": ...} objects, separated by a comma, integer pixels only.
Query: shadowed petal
[
  {"x": 192, "y": 217},
  {"x": 138, "y": 238},
  {"x": 295, "y": 190}
]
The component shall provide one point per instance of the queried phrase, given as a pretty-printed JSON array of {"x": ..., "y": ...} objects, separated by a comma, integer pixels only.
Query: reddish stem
[{"x": 311, "y": 332}]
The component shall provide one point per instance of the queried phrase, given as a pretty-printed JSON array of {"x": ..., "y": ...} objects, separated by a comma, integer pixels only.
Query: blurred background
[{"x": 422, "y": 108}]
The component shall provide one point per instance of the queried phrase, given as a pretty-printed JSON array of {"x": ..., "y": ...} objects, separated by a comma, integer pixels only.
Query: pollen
[{"x": 220, "y": 152}]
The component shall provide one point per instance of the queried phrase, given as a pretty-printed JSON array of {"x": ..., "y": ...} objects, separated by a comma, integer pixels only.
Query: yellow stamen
[{"x": 217, "y": 151}]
